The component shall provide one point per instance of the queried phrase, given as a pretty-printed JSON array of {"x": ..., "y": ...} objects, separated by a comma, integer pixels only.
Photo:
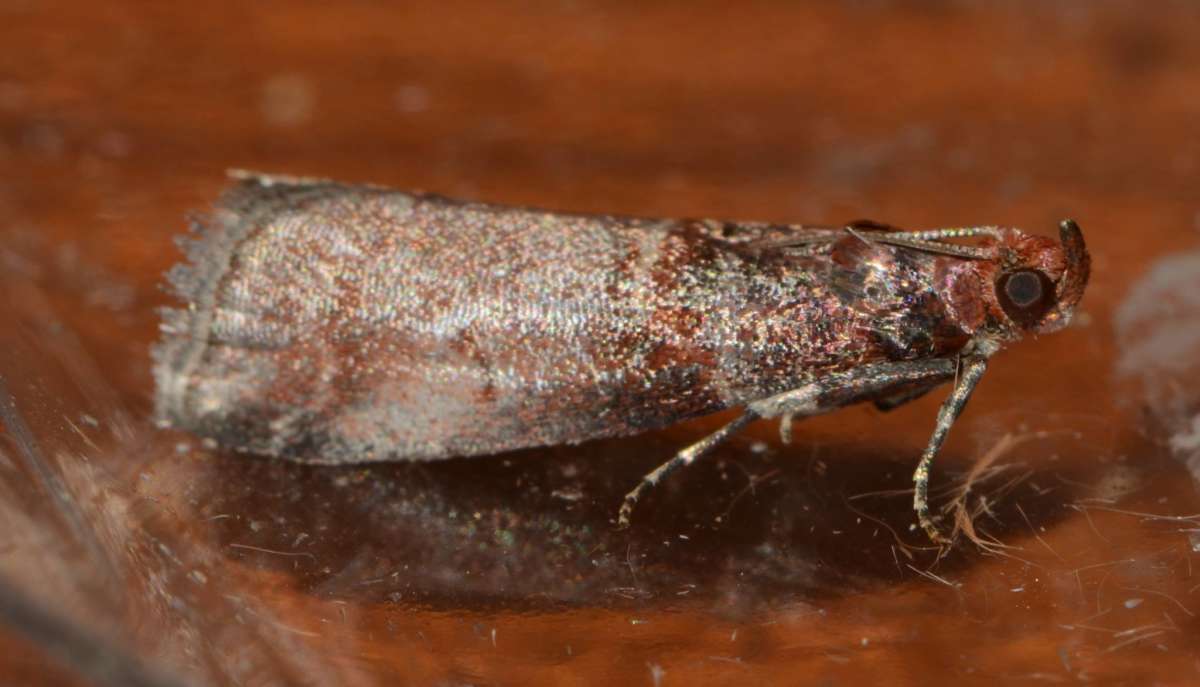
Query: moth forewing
[{"x": 335, "y": 323}]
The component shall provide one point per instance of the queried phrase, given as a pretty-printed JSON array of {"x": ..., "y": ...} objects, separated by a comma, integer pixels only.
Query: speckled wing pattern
[{"x": 335, "y": 323}]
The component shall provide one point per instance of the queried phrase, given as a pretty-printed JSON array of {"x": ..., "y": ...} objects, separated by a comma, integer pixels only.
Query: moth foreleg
[{"x": 952, "y": 407}]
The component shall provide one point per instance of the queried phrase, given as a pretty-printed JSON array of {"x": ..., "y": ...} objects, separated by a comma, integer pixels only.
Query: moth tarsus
[{"x": 333, "y": 323}]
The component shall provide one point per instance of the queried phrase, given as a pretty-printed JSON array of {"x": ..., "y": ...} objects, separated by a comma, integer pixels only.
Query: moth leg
[
  {"x": 854, "y": 386},
  {"x": 891, "y": 401},
  {"x": 894, "y": 401},
  {"x": 821, "y": 395},
  {"x": 685, "y": 457},
  {"x": 953, "y": 406},
  {"x": 785, "y": 427}
]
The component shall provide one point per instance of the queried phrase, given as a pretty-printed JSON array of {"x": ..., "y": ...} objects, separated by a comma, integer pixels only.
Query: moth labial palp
[{"x": 338, "y": 324}]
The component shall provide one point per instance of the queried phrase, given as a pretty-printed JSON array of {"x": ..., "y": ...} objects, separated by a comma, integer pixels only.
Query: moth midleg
[
  {"x": 818, "y": 396},
  {"x": 785, "y": 428}
]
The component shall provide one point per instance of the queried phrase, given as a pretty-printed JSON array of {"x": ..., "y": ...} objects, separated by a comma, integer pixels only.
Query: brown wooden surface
[{"x": 116, "y": 119}]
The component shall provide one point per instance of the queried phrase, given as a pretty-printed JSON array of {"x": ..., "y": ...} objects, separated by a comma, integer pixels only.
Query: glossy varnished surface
[{"x": 766, "y": 563}]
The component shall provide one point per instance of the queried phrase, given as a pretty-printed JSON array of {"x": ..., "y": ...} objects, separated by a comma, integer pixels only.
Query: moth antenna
[{"x": 905, "y": 240}]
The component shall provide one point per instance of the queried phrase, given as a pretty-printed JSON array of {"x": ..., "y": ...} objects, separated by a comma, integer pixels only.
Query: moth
[{"x": 335, "y": 323}]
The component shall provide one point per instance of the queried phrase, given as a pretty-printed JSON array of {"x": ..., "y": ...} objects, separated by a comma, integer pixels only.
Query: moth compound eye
[
  {"x": 1023, "y": 289},
  {"x": 1025, "y": 295}
]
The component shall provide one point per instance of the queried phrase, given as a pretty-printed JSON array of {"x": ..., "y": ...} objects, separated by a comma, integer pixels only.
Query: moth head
[{"x": 1038, "y": 282}]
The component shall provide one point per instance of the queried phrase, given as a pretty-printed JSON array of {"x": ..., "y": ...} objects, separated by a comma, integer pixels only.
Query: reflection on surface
[{"x": 537, "y": 527}]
